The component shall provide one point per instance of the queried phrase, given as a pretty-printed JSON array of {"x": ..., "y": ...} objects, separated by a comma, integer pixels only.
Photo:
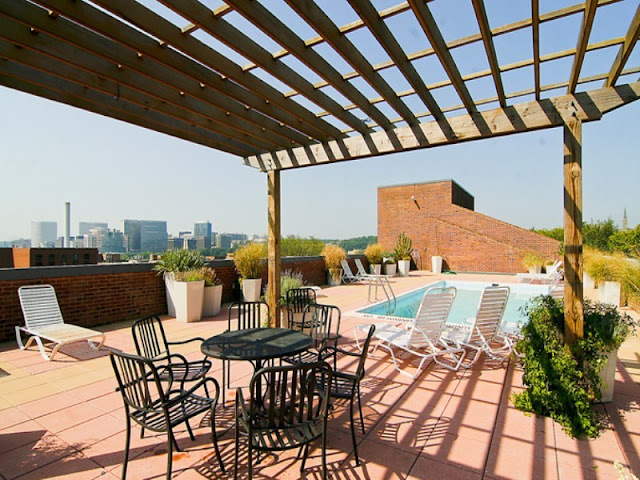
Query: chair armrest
[
  {"x": 182, "y": 342},
  {"x": 339, "y": 350},
  {"x": 242, "y": 414},
  {"x": 182, "y": 394}
]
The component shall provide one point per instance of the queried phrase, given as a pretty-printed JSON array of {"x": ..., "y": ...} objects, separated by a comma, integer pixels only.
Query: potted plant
[
  {"x": 374, "y": 253},
  {"x": 212, "y": 293},
  {"x": 248, "y": 262},
  {"x": 188, "y": 295},
  {"x": 533, "y": 262},
  {"x": 333, "y": 256},
  {"x": 402, "y": 253},
  {"x": 289, "y": 280},
  {"x": 605, "y": 272},
  {"x": 562, "y": 381},
  {"x": 390, "y": 266},
  {"x": 174, "y": 261}
]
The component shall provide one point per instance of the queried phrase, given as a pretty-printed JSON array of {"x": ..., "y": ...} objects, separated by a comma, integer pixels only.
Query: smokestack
[{"x": 67, "y": 224}]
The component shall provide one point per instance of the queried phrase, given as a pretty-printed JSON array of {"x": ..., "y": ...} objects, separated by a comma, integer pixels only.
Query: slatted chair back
[
  {"x": 432, "y": 315},
  {"x": 490, "y": 311},
  {"x": 365, "y": 352},
  {"x": 324, "y": 322},
  {"x": 348, "y": 273},
  {"x": 250, "y": 314},
  {"x": 290, "y": 395},
  {"x": 149, "y": 337},
  {"x": 360, "y": 267},
  {"x": 40, "y": 306},
  {"x": 138, "y": 381},
  {"x": 299, "y": 298}
]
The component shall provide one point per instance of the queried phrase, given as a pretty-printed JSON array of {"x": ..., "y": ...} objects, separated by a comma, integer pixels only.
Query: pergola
[{"x": 176, "y": 67}]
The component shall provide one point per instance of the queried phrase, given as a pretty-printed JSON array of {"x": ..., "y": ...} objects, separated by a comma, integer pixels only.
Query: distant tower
[
  {"x": 67, "y": 225},
  {"x": 625, "y": 221}
]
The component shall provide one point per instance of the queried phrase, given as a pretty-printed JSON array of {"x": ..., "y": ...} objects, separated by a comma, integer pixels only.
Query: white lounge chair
[
  {"x": 44, "y": 322},
  {"x": 422, "y": 335},
  {"x": 482, "y": 332},
  {"x": 543, "y": 278},
  {"x": 348, "y": 275}
]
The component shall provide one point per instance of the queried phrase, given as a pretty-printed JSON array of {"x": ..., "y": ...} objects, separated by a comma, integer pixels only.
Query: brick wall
[
  {"x": 95, "y": 295},
  {"x": 467, "y": 240}
]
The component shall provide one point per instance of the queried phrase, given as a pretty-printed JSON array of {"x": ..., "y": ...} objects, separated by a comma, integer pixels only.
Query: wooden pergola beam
[
  {"x": 273, "y": 247},
  {"x": 269, "y": 24},
  {"x": 206, "y": 70},
  {"x": 38, "y": 84},
  {"x": 583, "y": 41},
  {"x": 524, "y": 117},
  {"x": 241, "y": 43},
  {"x": 321, "y": 22},
  {"x": 381, "y": 31},
  {"x": 535, "y": 28},
  {"x": 95, "y": 53},
  {"x": 34, "y": 67},
  {"x": 630, "y": 40},
  {"x": 431, "y": 30},
  {"x": 490, "y": 49}
]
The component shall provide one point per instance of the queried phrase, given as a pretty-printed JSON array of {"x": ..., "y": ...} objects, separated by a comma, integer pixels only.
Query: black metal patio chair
[
  {"x": 347, "y": 385},
  {"x": 324, "y": 328},
  {"x": 297, "y": 300},
  {"x": 288, "y": 409},
  {"x": 151, "y": 406},
  {"x": 151, "y": 343}
]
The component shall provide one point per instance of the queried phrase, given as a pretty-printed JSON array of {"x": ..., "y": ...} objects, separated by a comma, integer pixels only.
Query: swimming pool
[{"x": 464, "y": 306}]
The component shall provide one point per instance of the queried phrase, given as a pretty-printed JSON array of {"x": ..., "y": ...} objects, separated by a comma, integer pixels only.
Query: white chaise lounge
[{"x": 44, "y": 322}]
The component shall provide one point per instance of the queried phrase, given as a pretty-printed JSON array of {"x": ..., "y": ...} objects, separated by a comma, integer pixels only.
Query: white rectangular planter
[
  {"x": 588, "y": 281},
  {"x": 251, "y": 289},
  {"x": 610, "y": 293},
  {"x": 375, "y": 269},
  {"x": 212, "y": 301},
  {"x": 188, "y": 298},
  {"x": 608, "y": 376},
  {"x": 403, "y": 267},
  {"x": 436, "y": 264},
  {"x": 169, "y": 288},
  {"x": 390, "y": 269}
]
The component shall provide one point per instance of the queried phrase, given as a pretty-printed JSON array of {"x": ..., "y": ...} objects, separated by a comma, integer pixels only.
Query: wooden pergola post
[
  {"x": 273, "y": 192},
  {"x": 573, "y": 291}
]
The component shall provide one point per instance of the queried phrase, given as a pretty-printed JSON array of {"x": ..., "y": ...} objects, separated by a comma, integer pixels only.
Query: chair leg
[
  {"x": 249, "y": 459},
  {"x": 360, "y": 409},
  {"x": 353, "y": 433},
  {"x": 170, "y": 441},
  {"x": 304, "y": 457},
  {"x": 324, "y": 453},
  {"x": 235, "y": 453},
  {"x": 215, "y": 438},
  {"x": 224, "y": 385},
  {"x": 193, "y": 438},
  {"x": 126, "y": 449}
]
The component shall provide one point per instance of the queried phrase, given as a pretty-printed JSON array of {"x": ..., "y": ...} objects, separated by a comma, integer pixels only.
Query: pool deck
[{"x": 63, "y": 419}]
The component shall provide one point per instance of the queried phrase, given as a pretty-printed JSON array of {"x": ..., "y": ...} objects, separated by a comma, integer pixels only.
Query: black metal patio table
[{"x": 255, "y": 345}]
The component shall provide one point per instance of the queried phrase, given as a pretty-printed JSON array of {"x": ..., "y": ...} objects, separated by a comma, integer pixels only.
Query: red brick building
[{"x": 440, "y": 219}]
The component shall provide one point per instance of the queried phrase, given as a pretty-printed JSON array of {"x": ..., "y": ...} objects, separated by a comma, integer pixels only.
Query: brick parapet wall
[
  {"x": 467, "y": 240},
  {"x": 92, "y": 295}
]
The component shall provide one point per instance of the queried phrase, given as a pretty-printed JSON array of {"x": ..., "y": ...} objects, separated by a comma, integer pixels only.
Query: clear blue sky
[{"x": 109, "y": 170}]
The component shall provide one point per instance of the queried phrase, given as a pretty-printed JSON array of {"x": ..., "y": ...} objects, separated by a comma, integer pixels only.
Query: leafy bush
[
  {"x": 597, "y": 234},
  {"x": 563, "y": 380},
  {"x": 333, "y": 255},
  {"x": 389, "y": 259},
  {"x": 196, "y": 275},
  {"x": 179, "y": 261},
  {"x": 248, "y": 260},
  {"x": 289, "y": 280},
  {"x": 209, "y": 276},
  {"x": 300, "y": 247},
  {"x": 627, "y": 242},
  {"x": 374, "y": 253},
  {"x": 403, "y": 248}
]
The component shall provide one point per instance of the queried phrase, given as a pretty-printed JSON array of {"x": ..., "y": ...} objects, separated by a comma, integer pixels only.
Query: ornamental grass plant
[
  {"x": 562, "y": 381},
  {"x": 248, "y": 260},
  {"x": 179, "y": 261},
  {"x": 374, "y": 253}
]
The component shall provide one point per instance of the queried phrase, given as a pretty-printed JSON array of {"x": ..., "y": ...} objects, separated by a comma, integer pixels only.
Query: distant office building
[
  {"x": 225, "y": 240},
  {"x": 203, "y": 243},
  {"x": 202, "y": 229},
  {"x": 112, "y": 241},
  {"x": 44, "y": 234},
  {"x": 84, "y": 227},
  {"x": 145, "y": 235},
  {"x": 175, "y": 243}
]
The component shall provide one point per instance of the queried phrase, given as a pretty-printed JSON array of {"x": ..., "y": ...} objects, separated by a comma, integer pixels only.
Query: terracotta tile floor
[{"x": 63, "y": 419}]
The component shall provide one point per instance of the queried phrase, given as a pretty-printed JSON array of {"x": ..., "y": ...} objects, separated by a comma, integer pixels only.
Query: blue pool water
[{"x": 464, "y": 306}]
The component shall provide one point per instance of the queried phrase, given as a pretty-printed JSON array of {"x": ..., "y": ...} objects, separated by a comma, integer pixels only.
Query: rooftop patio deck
[{"x": 63, "y": 419}]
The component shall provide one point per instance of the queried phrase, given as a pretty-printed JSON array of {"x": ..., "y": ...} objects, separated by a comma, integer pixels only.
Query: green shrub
[
  {"x": 196, "y": 275},
  {"x": 248, "y": 260},
  {"x": 179, "y": 261},
  {"x": 289, "y": 280},
  {"x": 209, "y": 276},
  {"x": 561, "y": 381}
]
